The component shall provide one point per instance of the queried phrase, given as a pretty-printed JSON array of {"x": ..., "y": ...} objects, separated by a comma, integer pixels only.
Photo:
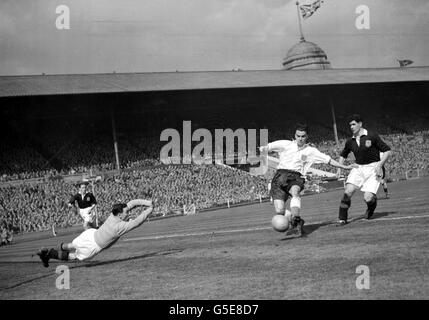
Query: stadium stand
[
  {"x": 37, "y": 207},
  {"x": 38, "y": 152},
  {"x": 34, "y": 207}
]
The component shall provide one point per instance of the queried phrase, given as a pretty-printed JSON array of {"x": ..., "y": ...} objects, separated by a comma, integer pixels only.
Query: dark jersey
[
  {"x": 368, "y": 150},
  {"x": 85, "y": 202}
]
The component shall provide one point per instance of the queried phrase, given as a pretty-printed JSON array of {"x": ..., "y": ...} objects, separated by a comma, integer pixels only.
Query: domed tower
[{"x": 306, "y": 55}]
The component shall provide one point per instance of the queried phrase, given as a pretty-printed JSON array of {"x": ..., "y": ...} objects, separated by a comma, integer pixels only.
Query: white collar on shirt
[
  {"x": 364, "y": 133},
  {"x": 300, "y": 148}
]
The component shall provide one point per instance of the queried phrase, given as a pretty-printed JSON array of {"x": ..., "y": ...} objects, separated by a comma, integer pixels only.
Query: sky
[{"x": 203, "y": 35}]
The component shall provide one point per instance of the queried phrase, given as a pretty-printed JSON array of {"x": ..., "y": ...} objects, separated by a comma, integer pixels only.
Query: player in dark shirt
[
  {"x": 366, "y": 147},
  {"x": 85, "y": 204}
]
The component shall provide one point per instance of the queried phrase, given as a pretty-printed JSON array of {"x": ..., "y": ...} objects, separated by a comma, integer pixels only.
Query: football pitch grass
[{"x": 234, "y": 254}]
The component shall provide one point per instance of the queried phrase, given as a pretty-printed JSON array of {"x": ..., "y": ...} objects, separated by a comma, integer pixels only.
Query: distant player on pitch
[
  {"x": 366, "y": 147},
  {"x": 85, "y": 204},
  {"x": 92, "y": 241},
  {"x": 296, "y": 157}
]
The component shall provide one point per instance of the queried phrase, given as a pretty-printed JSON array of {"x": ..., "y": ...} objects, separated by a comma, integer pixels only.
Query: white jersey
[{"x": 297, "y": 159}]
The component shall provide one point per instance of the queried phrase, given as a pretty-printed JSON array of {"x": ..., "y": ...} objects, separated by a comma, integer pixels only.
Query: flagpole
[{"x": 299, "y": 20}]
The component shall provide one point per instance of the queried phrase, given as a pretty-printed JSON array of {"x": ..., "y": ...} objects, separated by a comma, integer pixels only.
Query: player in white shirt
[{"x": 296, "y": 157}]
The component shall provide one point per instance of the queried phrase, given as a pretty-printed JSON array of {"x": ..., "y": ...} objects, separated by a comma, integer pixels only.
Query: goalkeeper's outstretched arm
[
  {"x": 132, "y": 224},
  {"x": 139, "y": 202}
]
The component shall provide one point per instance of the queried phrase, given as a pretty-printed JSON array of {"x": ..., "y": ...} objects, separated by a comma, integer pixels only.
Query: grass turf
[{"x": 240, "y": 264}]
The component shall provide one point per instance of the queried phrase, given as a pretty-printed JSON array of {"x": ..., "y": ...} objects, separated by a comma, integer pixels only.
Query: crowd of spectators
[
  {"x": 97, "y": 153},
  {"x": 36, "y": 207},
  {"x": 32, "y": 207},
  {"x": 19, "y": 161},
  {"x": 28, "y": 206},
  {"x": 409, "y": 152},
  {"x": 6, "y": 236}
]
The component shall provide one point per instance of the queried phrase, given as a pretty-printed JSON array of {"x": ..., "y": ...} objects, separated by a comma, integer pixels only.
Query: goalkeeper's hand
[{"x": 139, "y": 202}]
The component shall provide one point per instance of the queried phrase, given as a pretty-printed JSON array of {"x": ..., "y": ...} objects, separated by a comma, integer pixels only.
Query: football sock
[
  {"x": 295, "y": 221},
  {"x": 371, "y": 206},
  {"x": 295, "y": 206},
  {"x": 344, "y": 207}
]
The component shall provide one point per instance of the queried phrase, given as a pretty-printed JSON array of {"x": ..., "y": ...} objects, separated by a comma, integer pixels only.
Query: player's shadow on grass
[
  {"x": 308, "y": 229},
  {"x": 375, "y": 216},
  {"x": 89, "y": 265},
  {"x": 143, "y": 256},
  {"x": 382, "y": 214}
]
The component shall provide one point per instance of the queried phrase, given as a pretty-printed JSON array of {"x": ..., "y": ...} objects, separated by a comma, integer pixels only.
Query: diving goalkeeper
[{"x": 92, "y": 241}]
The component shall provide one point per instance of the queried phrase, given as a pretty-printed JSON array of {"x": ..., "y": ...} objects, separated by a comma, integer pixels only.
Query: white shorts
[
  {"x": 86, "y": 214},
  {"x": 85, "y": 245},
  {"x": 365, "y": 177}
]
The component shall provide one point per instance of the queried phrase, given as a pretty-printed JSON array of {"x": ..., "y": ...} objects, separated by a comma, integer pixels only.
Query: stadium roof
[{"x": 166, "y": 81}]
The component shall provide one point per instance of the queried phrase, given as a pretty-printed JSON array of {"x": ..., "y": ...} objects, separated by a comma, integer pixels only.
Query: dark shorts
[
  {"x": 384, "y": 172},
  {"x": 282, "y": 181}
]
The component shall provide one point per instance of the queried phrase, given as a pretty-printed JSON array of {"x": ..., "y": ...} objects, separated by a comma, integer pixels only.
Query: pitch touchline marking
[
  {"x": 205, "y": 233},
  {"x": 400, "y": 218}
]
